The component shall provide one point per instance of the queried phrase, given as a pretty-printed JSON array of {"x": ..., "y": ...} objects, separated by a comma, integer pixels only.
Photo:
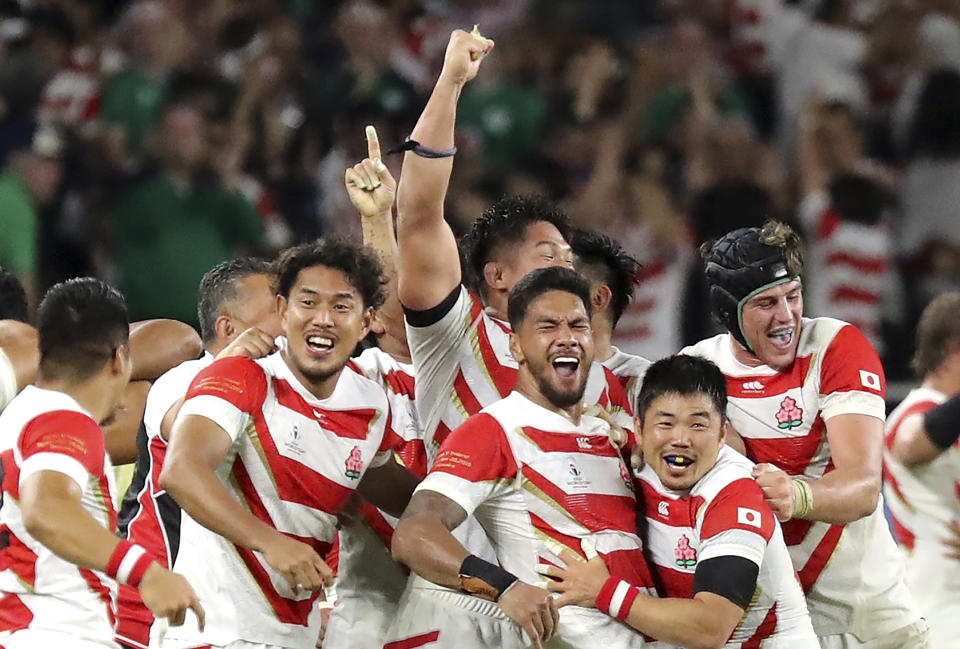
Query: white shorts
[
  {"x": 912, "y": 636},
  {"x": 438, "y": 618},
  {"x": 36, "y": 638}
]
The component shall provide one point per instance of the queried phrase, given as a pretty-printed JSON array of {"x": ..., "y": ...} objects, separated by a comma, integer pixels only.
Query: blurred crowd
[{"x": 144, "y": 142}]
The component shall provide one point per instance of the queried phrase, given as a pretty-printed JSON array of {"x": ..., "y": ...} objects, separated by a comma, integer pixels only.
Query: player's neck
[
  {"x": 602, "y": 333},
  {"x": 92, "y": 394},
  {"x": 942, "y": 381},
  {"x": 396, "y": 349},
  {"x": 496, "y": 304},
  {"x": 743, "y": 355}
]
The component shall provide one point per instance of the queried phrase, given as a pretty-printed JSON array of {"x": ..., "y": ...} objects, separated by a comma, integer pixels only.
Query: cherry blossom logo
[
  {"x": 789, "y": 415},
  {"x": 686, "y": 555},
  {"x": 354, "y": 463}
]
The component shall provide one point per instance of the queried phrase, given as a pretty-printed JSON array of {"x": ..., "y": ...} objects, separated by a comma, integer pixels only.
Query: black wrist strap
[
  {"x": 422, "y": 151},
  {"x": 483, "y": 579},
  {"x": 943, "y": 423}
]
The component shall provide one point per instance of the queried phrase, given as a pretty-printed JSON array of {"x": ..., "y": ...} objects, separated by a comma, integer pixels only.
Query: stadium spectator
[{"x": 178, "y": 223}]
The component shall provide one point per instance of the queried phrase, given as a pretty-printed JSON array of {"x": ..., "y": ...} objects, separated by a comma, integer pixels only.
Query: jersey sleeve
[
  {"x": 65, "y": 441},
  {"x": 227, "y": 393},
  {"x": 851, "y": 377},
  {"x": 737, "y": 522},
  {"x": 474, "y": 465}
]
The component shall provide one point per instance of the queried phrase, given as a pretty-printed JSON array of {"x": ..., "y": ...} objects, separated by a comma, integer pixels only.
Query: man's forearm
[
  {"x": 703, "y": 624},
  {"x": 423, "y": 181},
  {"x": 843, "y": 496},
  {"x": 427, "y": 547}
]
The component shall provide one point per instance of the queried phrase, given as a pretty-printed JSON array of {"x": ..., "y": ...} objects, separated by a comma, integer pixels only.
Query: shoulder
[{"x": 709, "y": 348}]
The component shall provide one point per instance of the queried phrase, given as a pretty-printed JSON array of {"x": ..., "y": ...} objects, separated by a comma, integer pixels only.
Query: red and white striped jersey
[
  {"x": 8, "y": 381},
  {"x": 630, "y": 369},
  {"x": 851, "y": 268},
  {"x": 922, "y": 500},
  {"x": 369, "y": 583},
  {"x": 463, "y": 363},
  {"x": 529, "y": 475},
  {"x": 46, "y": 430},
  {"x": 294, "y": 462},
  {"x": 782, "y": 417},
  {"x": 150, "y": 517},
  {"x": 724, "y": 514}
]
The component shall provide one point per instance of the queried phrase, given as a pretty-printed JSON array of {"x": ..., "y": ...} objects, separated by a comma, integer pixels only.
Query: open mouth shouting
[{"x": 566, "y": 366}]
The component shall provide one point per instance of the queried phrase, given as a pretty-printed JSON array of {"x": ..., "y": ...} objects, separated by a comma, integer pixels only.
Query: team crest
[
  {"x": 354, "y": 463},
  {"x": 686, "y": 555},
  {"x": 789, "y": 415},
  {"x": 625, "y": 476}
]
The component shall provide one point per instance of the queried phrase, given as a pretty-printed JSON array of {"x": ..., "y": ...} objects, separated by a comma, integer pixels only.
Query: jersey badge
[
  {"x": 625, "y": 476},
  {"x": 789, "y": 415},
  {"x": 354, "y": 463},
  {"x": 663, "y": 508},
  {"x": 686, "y": 555}
]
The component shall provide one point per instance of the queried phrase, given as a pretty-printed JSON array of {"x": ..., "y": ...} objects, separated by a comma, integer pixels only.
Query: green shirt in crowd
[
  {"x": 132, "y": 100},
  {"x": 167, "y": 237},
  {"x": 18, "y": 226}
]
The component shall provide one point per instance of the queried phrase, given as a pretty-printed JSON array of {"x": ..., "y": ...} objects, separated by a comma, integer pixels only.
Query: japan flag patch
[
  {"x": 870, "y": 380},
  {"x": 747, "y": 516}
]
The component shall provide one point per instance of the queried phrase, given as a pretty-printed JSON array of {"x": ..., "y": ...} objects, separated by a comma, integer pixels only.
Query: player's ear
[
  {"x": 724, "y": 431},
  {"x": 493, "y": 275},
  {"x": 600, "y": 297},
  {"x": 121, "y": 361},
  {"x": 367, "y": 320},
  {"x": 223, "y": 328},
  {"x": 376, "y": 324},
  {"x": 282, "y": 312},
  {"x": 515, "y": 348}
]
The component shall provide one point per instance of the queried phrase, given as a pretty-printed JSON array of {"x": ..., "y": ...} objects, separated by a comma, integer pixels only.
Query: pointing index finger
[{"x": 373, "y": 143}]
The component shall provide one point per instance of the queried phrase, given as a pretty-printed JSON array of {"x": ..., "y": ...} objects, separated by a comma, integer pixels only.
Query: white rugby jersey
[
  {"x": 630, "y": 369},
  {"x": 294, "y": 463},
  {"x": 463, "y": 363},
  {"x": 149, "y": 517},
  {"x": 369, "y": 582},
  {"x": 922, "y": 500},
  {"x": 724, "y": 514},
  {"x": 782, "y": 419},
  {"x": 8, "y": 380},
  {"x": 528, "y": 475},
  {"x": 46, "y": 430}
]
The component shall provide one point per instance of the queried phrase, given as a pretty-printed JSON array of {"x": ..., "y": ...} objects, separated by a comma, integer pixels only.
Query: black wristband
[
  {"x": 943, "y": 423},
  {"x": 483, "y": 579},
  {"x": 422, "y": 151}
]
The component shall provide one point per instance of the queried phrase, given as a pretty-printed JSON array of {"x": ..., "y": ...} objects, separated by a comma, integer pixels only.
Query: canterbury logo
[
  {"x": 753, "y": 386},
  {"x": 583, "y": 442}
]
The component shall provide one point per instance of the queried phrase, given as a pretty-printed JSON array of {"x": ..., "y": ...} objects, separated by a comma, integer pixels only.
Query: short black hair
[
  {"x": 857, "y": 198},
  {"x": 540, "y": 281},
  {"x": 682, "y": 374},
  {"x": 221, "y": 284},
  {"x": 80, "y": 324},
  {"x": 602, "y": 260},
  {"x": 13, "y": 299},
  {"x": 505, "y": 222},
  {"x": 358, "y": 263}
]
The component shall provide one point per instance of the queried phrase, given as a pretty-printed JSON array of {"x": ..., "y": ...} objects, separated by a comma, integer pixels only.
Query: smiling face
[
  {"x": 771, "y": 324},
  {"x": 554, "y": 347},
  {"x": 681, "y": 435},
  {"x": 323, "y": 320}
]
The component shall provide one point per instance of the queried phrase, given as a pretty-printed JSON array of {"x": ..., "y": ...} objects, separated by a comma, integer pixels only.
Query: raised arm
[{"x": 429, "y": 263}]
